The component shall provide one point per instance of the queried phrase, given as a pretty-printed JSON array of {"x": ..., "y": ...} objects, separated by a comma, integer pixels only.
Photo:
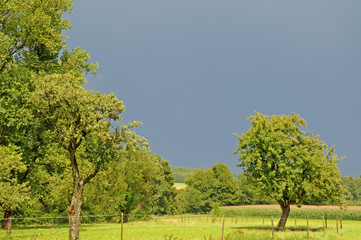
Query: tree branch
[{"x": 91, "y": 176}]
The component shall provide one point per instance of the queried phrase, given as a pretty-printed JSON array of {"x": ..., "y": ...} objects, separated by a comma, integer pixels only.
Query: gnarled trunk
[
  {"x": 75, "y": 210},
  {"x": 7, "y": 222},
  {"x": 286, "y": 208}
]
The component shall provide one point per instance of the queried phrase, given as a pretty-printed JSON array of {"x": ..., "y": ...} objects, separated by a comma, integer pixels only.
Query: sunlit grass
[
  {"x": 196, "y": 227},
  {"x": 180, "y": 185}
]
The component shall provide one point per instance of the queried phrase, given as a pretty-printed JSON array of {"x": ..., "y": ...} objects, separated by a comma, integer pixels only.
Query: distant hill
[{"x": 180, "y": 173}]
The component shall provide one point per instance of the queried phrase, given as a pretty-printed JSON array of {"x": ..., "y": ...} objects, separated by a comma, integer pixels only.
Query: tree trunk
[
  {"x": 286, "y": 208},
  {"x": 75, "y": 210},
  {"x": 7, "y": 222}
]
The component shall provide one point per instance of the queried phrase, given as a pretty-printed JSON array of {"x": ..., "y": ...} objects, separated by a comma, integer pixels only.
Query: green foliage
[
  {"x": 139, "y": 184},
  {"x": 249, "y": 193},
  {"x": 227, "y": 191},
  {"x": 180, "y": 173},
  {"x": 12, "y": 192},
  {"x": 30, "y": 30},
  {"x": 289, "y": 164},
  {"x": 216, "y": 209},
  {"x": 200, "y": 193},
  {"x": 166, "y": 203},
  {"x": 15, "y": 114},
  {"x": 180, "y": 201},
  {"x": 30, "y": 39},
  {"x": 44, "y": 107},
  {"x": 353, "y": 188},
  {"x": 204, "y": 187}
]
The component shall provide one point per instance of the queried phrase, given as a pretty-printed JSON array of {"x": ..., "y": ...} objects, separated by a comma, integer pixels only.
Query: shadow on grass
[
  {"x": 40, "y": 227},
  {"x": 27, "y": 236},
  {"x": 269, "y": 228},
  {"x": 36, "y": 231}
]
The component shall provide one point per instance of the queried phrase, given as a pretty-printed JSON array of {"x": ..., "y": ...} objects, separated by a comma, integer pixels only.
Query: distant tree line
[
  {"x": 142, "y": 184},
  {"x": 204, "y": 190},
  {"x": 180, "y": 173}
]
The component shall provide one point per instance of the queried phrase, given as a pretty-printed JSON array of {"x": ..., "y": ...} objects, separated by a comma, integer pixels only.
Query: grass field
[
  {"x": 236, "y": 227},
  {"x": 180, "y": 185},
  {"x": 195, "y": 228}
]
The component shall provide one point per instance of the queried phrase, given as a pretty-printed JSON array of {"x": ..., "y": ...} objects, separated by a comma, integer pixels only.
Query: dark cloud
[{"x": 192, "y": 71}]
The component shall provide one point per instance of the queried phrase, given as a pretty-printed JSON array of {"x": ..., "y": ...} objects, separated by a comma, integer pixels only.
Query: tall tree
[
  {"x": 226, "y": 186},
  {"x": 214, "y": 185},
  {"x": 82, "y": 123},
  {"x": 30, "y": 38},
  {"x": 166, "y": 198},
  {"x": 200, "y": 191},
  {"x": 43, "y": 100},
  {"x": 290, "y": 164}
]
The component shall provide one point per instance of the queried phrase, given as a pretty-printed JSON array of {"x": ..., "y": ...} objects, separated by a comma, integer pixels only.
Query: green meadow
[{"x": 197, "y": 227}]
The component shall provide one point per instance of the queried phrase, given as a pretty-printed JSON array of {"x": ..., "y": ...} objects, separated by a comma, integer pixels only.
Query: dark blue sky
[{"x": 193, "y": 70}]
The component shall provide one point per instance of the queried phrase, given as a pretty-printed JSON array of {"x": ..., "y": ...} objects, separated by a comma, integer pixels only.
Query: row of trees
[
  {"x": 139, "y": 183},
  {"x": 249, "y": 194},
  {"x": 246, "y": 191}
]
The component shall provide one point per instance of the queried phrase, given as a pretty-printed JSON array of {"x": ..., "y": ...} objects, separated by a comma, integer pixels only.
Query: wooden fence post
[
  {"x": 295, "y": 218},
  {"x": 337, "y": 224},
  {"x": 121, "y": 227},
  {"x": 341, "y": 220},
  {"x": 308, "y": 229},
  {"x": 222, "y": 228},
  {"x": 273, "y": 234},
  {"x": 323, "y": 225}
]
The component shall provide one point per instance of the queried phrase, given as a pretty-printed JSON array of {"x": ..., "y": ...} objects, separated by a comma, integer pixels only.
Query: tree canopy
[
  {"x": 290, "y": 164},
  {"x": 30, "y": 40},
  {"x": 208, "y": 186}
]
